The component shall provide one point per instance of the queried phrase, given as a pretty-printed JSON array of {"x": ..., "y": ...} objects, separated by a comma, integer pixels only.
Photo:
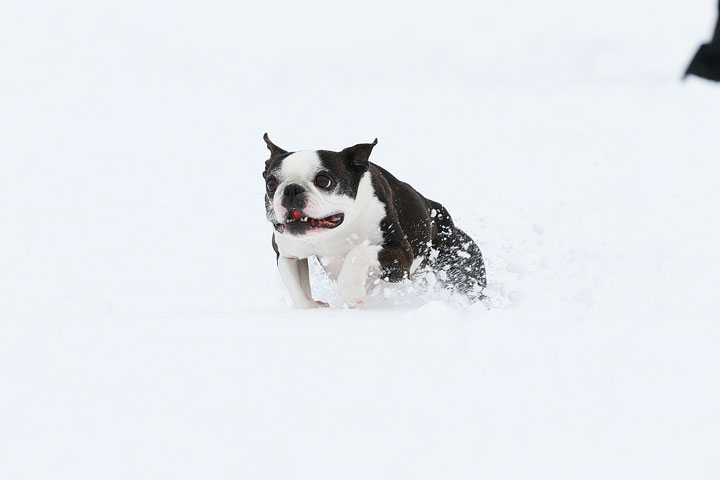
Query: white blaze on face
[
  {"x": 302, "y": 168},
  {"x": 298, "y": 166}
]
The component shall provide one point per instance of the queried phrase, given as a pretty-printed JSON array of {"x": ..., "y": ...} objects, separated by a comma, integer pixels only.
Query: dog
[{"x": 361, "y": 223}]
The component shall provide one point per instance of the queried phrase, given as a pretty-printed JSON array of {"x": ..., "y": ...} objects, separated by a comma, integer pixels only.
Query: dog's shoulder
[{"x": 409, "y": 212}]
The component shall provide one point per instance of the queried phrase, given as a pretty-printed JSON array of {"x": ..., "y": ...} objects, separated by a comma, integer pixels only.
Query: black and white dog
[{"x": 361, "y": 222}]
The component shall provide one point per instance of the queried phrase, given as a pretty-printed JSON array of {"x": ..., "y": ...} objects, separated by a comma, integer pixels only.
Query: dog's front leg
[
  {"x": 357, "y": 266},
  {"x": 296, "y": 276}
]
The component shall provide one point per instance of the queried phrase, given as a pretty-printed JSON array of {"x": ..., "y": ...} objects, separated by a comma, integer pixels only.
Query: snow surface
[{"x": 144, "y": 331}]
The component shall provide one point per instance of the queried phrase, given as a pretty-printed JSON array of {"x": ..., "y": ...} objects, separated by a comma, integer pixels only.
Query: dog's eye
[
  {"x": 271, "y": 185},
  {"x": 323, "y": 181}
]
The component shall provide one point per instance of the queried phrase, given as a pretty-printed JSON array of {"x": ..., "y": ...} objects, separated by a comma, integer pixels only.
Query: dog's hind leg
[
  {"x": 459, "y": 261},
  {"x": 463, "y": 265}
]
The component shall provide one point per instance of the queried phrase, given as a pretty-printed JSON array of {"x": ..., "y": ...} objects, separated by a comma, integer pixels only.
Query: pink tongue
[{"x": 295, "y": 214}]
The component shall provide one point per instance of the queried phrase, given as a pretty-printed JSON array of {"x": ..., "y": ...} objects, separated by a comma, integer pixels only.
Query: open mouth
[{"x": 297, "y": 223}]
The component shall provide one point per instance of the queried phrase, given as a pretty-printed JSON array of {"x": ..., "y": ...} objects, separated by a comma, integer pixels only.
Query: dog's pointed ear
[
  {"x": 274, "y": 149},
  {"x": 359, "y": 155}
]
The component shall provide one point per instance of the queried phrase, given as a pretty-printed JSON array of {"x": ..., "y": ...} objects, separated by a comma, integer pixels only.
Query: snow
[{"x": 144, "y": 330}]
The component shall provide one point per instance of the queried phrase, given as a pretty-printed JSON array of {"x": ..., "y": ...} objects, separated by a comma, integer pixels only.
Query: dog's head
[{"x": 312, "y": 192}]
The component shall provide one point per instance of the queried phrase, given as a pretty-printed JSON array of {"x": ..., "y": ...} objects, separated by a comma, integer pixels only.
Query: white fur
[
  {"x": 298, "y": 165},
  {"x": 358, "y": 265},
  {"x": 348, "y": 252},
  {"x": 294, "y": 273}
]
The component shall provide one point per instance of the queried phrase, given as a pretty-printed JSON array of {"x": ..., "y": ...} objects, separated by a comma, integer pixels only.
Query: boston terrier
[{"x": 362, "y": 223}]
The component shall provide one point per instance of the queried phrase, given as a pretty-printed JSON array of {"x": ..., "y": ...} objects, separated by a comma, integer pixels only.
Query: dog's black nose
[{"x": 294, "y": 197}]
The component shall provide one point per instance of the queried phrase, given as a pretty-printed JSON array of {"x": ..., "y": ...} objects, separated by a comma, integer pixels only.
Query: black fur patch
[{"x": 344, "y": 175}]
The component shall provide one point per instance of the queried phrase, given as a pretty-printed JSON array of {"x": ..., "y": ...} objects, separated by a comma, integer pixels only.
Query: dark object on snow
[{"x": 706, "y": 63}]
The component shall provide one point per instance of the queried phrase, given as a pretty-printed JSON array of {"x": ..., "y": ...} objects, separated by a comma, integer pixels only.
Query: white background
[{"x": 144, "y": 331}]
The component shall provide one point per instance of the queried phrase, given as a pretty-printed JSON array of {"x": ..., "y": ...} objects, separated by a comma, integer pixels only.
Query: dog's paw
[
  {"x": 352, "y": 289},
  {"x": 307, "y": 305},
  {"x": 353, "y": 306}
]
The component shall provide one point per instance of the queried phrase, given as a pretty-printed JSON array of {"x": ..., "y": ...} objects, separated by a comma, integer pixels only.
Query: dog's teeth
[{"x": 304, "y": 219}]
